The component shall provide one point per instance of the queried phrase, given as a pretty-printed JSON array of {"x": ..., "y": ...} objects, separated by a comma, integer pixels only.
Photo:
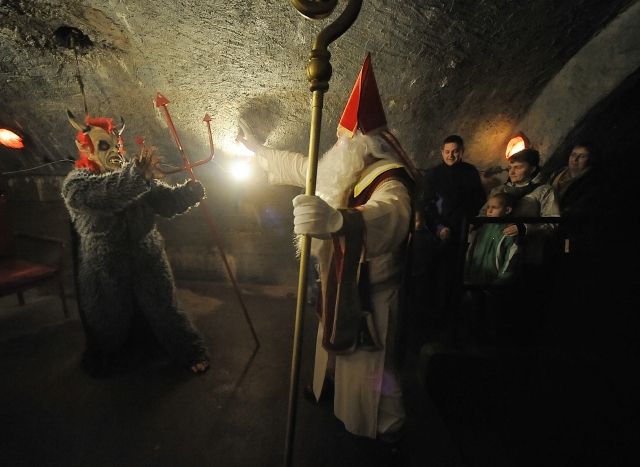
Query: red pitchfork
[{"x": 161, "y": 102}]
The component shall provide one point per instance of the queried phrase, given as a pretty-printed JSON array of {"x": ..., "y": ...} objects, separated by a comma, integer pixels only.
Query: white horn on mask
[
  {"x": 120, "y": 130},
  {"x": 75, "y": 124}
]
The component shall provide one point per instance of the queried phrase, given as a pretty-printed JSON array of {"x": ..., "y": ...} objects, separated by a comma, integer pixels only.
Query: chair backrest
[{"x": 6, "y": 229}]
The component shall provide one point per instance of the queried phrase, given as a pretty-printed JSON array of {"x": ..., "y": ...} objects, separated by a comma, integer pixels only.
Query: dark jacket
[
  {"x": 451, "y": 194},
  {"x": 581, "y": 205}
]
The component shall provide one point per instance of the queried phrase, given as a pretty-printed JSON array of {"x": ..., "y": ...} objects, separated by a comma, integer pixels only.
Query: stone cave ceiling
[{"x": 471, "y": 67}]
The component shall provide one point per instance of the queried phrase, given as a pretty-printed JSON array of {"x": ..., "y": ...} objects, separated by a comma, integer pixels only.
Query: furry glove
[
  {"x": 313, "y": 216},
  {"x": 193, "y": 192}
]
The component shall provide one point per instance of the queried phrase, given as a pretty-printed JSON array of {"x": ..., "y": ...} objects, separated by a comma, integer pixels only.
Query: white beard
[{"x": 340, "y": 168}]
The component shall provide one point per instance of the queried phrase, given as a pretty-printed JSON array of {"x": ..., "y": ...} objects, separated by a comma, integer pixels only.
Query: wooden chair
[{"x": 27, "y": 260}]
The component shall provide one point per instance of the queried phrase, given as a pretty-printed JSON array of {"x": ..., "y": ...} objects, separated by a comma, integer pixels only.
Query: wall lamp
[
  {"x": 517, "y": 144},
  {"x": 11, "y": 139}
]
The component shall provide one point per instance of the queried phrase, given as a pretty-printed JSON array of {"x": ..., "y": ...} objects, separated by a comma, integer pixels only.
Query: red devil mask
[{"x": 100, "y": 145}]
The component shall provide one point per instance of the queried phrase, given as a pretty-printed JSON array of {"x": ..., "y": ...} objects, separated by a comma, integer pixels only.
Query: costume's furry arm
[
  {"x": 168, "y": 201},
  {"x": 110, "y": 192}
]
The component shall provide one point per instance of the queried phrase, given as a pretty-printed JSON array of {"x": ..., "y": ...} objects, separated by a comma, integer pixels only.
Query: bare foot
[{"x": 200, "y": 367}]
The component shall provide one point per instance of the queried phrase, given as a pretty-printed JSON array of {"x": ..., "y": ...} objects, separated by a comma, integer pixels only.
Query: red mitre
[{"x": 364, "y": 109}]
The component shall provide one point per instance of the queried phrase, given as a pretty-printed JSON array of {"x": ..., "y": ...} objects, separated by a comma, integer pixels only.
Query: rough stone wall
[{"x": 443, "y": 66}]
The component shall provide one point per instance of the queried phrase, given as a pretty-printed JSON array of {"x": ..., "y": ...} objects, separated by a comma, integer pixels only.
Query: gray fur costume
[{"x": 122, "y": 264}]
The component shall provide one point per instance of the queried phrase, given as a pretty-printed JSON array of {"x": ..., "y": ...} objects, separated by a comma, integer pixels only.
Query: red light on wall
[
  {"x": 516, "y": 144},
  {"x": 10, "y": 139}
]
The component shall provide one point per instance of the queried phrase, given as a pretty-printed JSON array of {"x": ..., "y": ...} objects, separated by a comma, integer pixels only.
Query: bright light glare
[
  {"x": 11, "y": 140},
  {"x": 241, "y": 170},
  {"x": 239, "y": 149}
]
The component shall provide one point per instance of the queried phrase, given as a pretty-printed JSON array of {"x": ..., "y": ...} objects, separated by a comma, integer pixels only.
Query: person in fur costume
[
  {"x": 359, "y": 222},
  {"x": 123, "y": 272}
]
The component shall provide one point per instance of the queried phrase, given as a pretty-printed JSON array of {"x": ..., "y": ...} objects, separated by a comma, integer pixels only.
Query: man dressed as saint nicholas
[{"x": 359, "y": 222}]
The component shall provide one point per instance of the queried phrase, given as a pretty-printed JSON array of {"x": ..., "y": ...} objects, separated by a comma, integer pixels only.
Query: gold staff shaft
[{"x": 318, "y": 74}]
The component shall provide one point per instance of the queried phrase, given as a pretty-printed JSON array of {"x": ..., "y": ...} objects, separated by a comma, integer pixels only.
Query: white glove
[
  {"x": 313, "y": 216},
  {"x": 247, "y": 137}
]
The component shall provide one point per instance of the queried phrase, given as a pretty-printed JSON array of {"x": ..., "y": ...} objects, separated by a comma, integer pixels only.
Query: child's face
[{"x": 496, "y": 208}]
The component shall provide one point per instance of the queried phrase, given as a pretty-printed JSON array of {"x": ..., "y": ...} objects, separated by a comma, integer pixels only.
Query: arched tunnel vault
[
  {"x": 591, "y": 75},
  {"x": 442, "y": 66}
]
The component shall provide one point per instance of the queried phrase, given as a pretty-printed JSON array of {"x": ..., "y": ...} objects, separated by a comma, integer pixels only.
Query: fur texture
[{"x": 123, "y": 268}]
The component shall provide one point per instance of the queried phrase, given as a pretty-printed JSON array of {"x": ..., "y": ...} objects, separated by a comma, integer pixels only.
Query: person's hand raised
[
  {"x": 247, "y": 136},
  {"x": 148, "y": 162}
]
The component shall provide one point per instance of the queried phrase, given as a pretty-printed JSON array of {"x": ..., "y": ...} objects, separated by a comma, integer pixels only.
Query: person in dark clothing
[
  {"x": 578, "y": 187},
  {"x": 453, "y": 193}
]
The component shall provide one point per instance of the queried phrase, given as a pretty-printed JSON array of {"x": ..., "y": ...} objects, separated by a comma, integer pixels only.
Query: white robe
[{"x": 368, "y": 399}]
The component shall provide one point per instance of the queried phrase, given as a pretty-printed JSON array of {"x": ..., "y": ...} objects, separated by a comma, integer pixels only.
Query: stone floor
[
  {"x": 564, "y": 402},
  {"x": 153, "y": 414}
]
